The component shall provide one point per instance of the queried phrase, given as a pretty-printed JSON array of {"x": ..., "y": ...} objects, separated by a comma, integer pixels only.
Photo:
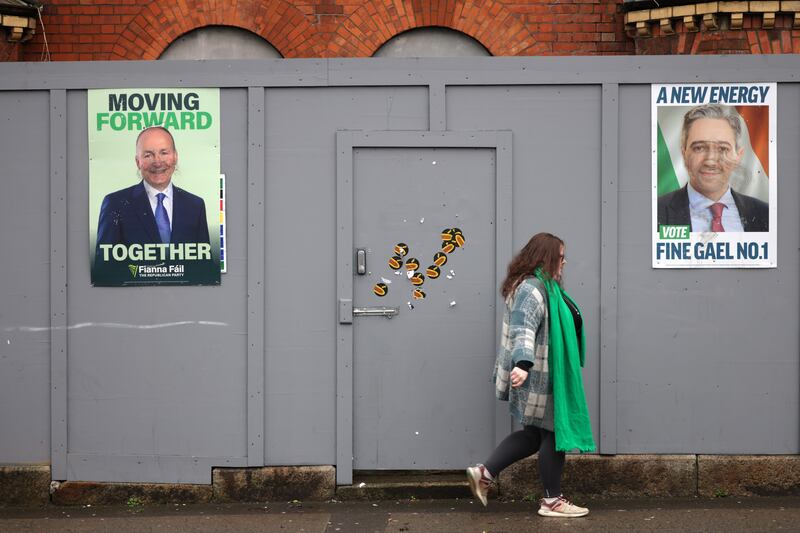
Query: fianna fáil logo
[{"x": 134, "y": 270}]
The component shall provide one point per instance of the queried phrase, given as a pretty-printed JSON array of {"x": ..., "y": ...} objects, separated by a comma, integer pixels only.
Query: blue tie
[{"x": 162, "y": 219}]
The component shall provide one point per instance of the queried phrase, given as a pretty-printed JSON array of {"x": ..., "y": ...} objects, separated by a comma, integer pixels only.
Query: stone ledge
[
  {"x": 748, "y": 475},
  {"x": 24, "y": 486},
  {"x": 408, "y": 485},
  {"x": 274, "y": 483},
  {"x": 619, "y": 476},
  {"x": 92, "y": 493},
  {"x": 20, "y": 29},
  {"x": 638, "y": 23}
]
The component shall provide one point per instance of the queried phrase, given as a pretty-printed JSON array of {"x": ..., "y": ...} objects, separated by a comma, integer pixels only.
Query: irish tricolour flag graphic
[{"x": 752, "y": 176}]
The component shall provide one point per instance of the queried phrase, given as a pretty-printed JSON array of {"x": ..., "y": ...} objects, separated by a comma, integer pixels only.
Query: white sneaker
[
  {"x": 479, "y": 482},
  {"x": 561, "y": 507}
]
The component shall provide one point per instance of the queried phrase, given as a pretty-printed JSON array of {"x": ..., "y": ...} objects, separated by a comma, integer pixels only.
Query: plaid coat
[{"x": 525, "y": 337}]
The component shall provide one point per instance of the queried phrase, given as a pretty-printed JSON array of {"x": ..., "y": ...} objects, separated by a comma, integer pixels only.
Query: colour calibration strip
[{"x": 222, "y": 239}]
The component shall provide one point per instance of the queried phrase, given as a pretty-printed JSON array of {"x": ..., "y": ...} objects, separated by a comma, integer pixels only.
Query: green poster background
[{"x": 112, "y": 165}]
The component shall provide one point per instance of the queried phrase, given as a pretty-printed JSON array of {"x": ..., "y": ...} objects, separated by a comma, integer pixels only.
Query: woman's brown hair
[{"x": 543, "y": 250}]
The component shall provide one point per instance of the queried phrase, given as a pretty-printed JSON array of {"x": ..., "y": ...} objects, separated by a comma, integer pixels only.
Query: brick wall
[
  {"x": 140, "y": 29},
  {"x": 8, "y": 51},
  {"x": 133, "y": 29}
]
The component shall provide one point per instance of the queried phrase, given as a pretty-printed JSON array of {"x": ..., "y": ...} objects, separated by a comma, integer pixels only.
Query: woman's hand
[{"x": 518, "y": 377}]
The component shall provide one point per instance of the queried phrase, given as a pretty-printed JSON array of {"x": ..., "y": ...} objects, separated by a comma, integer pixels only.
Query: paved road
[{"x": 459, "y": 516}]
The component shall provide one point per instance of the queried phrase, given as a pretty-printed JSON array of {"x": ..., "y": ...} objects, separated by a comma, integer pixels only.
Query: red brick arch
[
  {"x": 160, "y": 22},
  {"x": 376, "y": 21}
]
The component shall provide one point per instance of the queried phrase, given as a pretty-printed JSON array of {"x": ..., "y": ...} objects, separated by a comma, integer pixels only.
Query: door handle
[
  {"x": 387, "y": 312},
  {"x": 361, "y": 262}
]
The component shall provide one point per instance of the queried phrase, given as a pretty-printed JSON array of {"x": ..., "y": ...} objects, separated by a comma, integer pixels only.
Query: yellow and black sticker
[
  {"x": 439, "y": 259},
  {"x": 418, "y": 294},
  {"x": 412, "y": 263},
  {"x": 447, "y": 234},
  {"x": 432, "y": 272},
  {"x": 401, "y": 249},
  {"x": 417, "y": 279},
  {"x": 380, "y": 289},
  {"x": 395, "y": 262},
  {"x": 448, "y": 247}
]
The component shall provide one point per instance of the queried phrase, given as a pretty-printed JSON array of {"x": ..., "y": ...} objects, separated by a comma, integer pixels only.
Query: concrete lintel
[
  {"x": 684, "y": 11},
  {"x": 24, "y": 486},
  {"x": 706, "y": 8},
  {"x": 733, "y": 7},
  {"x": 92, "y": 493},
  {"x": 619, "y": 476},
  {"x": 637, "y": 16},
  {"x": 748, "y": 475},
  {"x": 737, "y": 21},
  {"x": 768, "y": 21},
  {"x": 661, "y": 13},
  {"x": 770, "y": 6},
  {"x": 274, "y": 483},
  {"x": 789, "y": 6},
  {"x": 17, "y": 21}
]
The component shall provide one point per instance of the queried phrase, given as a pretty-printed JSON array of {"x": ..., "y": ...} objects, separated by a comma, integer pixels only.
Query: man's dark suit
[
  {"x": 127, "y": 218},
  {"x": 673, "y": 209}
]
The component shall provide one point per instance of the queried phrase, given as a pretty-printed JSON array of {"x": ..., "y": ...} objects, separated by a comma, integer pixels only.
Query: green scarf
[{"x": 566, "y": 357}]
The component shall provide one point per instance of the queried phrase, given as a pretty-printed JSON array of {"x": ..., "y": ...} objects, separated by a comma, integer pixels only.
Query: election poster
[
  {"x": 154, "y": 187},
  {"x": 714, "y": 175}
]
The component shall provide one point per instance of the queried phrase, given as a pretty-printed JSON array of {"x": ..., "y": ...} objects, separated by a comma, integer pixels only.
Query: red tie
[{"x": 716, "y": 222}]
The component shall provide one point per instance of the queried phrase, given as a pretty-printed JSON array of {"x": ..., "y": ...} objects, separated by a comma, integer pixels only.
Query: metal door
[{"x": 423, "y": 347}]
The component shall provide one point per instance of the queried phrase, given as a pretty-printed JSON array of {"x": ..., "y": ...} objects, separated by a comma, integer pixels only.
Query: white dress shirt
[
  {"x": 151, "y": 195},
  {"x": 700, "y": 211}
]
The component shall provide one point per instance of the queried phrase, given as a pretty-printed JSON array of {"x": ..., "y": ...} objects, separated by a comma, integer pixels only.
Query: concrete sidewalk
[{"x": 459, "y": 516}]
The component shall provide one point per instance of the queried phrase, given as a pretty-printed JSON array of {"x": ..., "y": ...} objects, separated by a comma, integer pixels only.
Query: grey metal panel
[
  {"x": 300, "y": 253},
  {"x": 437, "y": 107},
  {"x": 147, "y": 468},
  {"x": 219, "y": 42},
  {"x": 414, "y": 376},
  {"x": 256, "y": 319},
  {"x": 563, "y": 70},
  {"x": 400, "y": 71},
  {"x": 426, "y": 139},
  {"x": 431, "y": 41},
  {"x": 502, "y": 177},
  {"x": 707, "y": 359},
  {"x": 58, "y": 282},
  {"x": 557, "y": 183},
  {"x": 157, "y": 371},
  {"x": 608, "y": 269},
  {"x": 344, "y": 294},
  {"x": 180, "y": 73},
  {"x": 687, "y": 343},
  {"x": 505, "y": 252},
  {"x": 25, "y": 267}
]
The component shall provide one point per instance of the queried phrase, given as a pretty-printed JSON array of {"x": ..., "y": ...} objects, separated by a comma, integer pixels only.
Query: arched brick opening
[
  {"x": 160, "y": 23},
  {"x": 377, "y": 21}
]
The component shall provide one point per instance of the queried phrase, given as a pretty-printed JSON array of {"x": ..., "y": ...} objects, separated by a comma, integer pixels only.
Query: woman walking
[{"x": 538, "y": 372}]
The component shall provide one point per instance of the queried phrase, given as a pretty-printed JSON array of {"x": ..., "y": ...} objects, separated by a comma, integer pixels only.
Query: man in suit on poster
[
  {"x": 154, "y": 210},
  {"x": 711, "y": 144}
]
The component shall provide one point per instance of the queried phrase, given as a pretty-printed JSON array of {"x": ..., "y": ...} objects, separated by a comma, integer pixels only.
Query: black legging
[{"x": 524, "y": 443}]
